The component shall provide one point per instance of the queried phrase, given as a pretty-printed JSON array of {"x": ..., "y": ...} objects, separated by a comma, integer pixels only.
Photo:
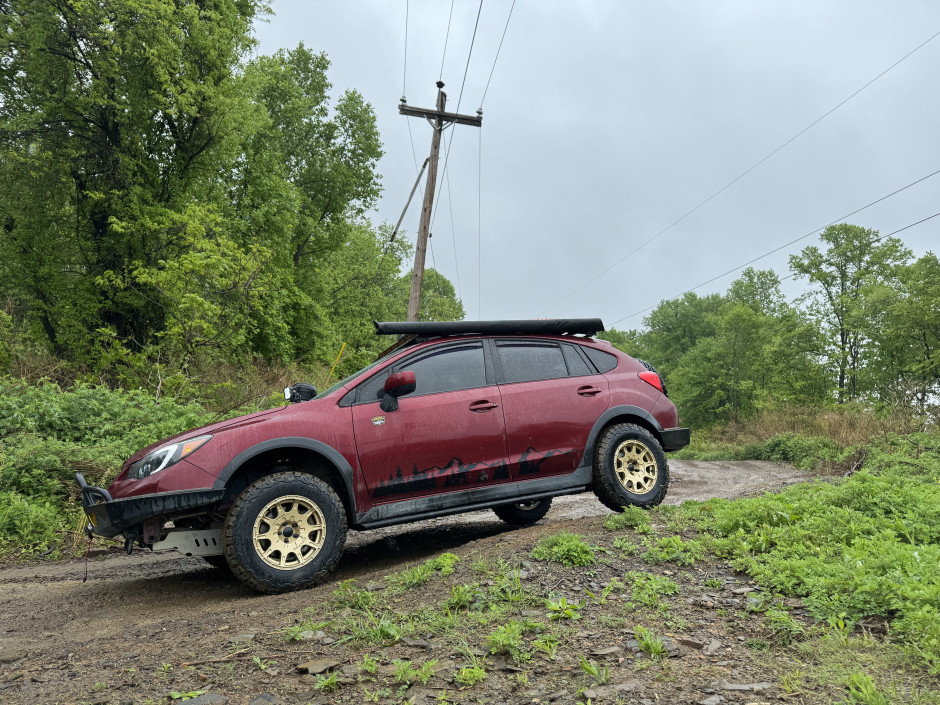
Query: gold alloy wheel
[
  {"x": 289, "y": 532},
  {"x": 636, "y": 467}
]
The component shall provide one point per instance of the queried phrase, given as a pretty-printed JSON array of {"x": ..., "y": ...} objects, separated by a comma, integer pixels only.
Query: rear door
[
  {"x": 447, "y": 435},
  {"x": 551, "y": 398}
]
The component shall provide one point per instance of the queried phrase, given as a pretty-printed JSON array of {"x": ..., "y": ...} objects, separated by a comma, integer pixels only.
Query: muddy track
[
  {"x": 147, "y": 605},
  {"x": 689, "y": 480}
]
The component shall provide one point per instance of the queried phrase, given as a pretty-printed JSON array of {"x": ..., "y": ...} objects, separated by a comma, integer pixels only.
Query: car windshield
[{"x": 343, "y": 381}]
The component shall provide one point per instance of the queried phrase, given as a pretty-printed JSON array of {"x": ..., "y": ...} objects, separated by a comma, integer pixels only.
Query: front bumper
[
  {"x": 109, "y": 517},
  {"x": 675, "y": 438}
]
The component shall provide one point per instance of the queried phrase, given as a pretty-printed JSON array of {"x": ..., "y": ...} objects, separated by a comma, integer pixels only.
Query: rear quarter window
[{"x": 604, "y": 362}]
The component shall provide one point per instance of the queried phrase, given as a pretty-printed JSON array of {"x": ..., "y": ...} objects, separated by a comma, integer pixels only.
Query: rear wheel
[
  {"x": 629, "y": 468},
  {"x": 523, "y": 513},
  {"x": 284, "y": 532}
]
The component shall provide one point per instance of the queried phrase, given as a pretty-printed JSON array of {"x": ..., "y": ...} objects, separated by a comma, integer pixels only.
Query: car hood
[{"x": 211, "y": 428}]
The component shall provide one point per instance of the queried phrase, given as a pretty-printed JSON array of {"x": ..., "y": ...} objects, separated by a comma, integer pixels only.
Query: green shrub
[
  {"x": 29, "y": 525},
  {"x": 805, "y": 452},
  {"x": 632, "y": 517},
  {"x": 866, "y": 545},
  {"x": 565, "y": 548},
  {"x": 647, "y": 589},
  {"x": 673, "y": 549},
  {"x": 48, "y": 433}
]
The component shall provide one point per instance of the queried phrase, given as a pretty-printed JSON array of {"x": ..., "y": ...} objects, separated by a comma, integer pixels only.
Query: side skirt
[{"x": 473, "y": 500}]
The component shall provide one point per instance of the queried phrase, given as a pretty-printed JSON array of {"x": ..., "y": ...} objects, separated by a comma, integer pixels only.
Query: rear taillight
[{"x": 651, "y": 378}]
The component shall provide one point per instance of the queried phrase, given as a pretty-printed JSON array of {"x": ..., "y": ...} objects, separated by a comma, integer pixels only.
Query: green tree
[
  {"x": 908, "y": 339},
  {"x": 716, "y": 379},
  {"x": 848, "y": 279},
  {"x": 675, "y": 326},
  {"x": 114, "y": 119}
]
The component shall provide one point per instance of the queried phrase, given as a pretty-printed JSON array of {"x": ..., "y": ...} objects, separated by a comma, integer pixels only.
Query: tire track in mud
[{"x": 690, "y": 480}]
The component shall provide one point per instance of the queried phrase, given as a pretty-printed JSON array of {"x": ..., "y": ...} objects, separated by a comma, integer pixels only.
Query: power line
[
  {"x": 446, "y": 37},
  {"x": 794, "y": 241},
  {"x": 469, "y": 54},
  {"x": 404, "y": 72},
  {"x": 742, "y": 174},
  {"x": 480, "y": 226},
  {"x": 460, "y": 97},
  {"x": 882, "y": 237},
  {"x": 498, "y": 49},
  {"x": 453, "y": 236}
]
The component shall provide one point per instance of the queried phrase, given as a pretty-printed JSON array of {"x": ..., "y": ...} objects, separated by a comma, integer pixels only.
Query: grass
[
  {"x": 469, "y": 676},
  {"x": 672, "y": 549},
  {"x": 406, "y": 673},
  {"x": 418, "y": 575},
  {"x": 648, "y": 590},
  {"x": 565, "y": 548},
  {"x": 632, "y": 517},
  {"x": 864, "y": 546},
  {"x": 650, "y": 642}
]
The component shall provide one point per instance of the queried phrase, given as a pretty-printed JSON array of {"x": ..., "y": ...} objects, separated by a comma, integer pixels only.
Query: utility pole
[{"x": 439, "y": 119}]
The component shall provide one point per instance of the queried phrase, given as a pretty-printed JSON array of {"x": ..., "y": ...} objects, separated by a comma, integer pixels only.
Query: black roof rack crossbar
[{"x": 552, "y": 326}]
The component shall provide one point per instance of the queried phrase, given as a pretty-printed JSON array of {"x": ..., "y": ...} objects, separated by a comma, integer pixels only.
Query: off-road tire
[
  {"x": 523, "y": 513},
  {"x": 216, "y": 562},
  {"x": 608, "y": 487},
  {"x": 240, "y": 536}
]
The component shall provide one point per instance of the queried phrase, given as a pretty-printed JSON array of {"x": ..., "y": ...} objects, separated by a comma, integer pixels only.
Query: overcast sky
[{"x": 605, "y": 122}]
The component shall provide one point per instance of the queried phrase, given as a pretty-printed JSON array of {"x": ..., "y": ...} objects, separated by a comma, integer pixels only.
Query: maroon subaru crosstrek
[{"x": 455, "y": 417}]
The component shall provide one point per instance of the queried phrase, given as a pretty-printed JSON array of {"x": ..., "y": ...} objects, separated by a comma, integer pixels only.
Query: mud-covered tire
[
  {"x": 216, "y": 562},
  {"x": 523, "y": 513},
  {"x": 629, "y": 468},
  {"x": 284, "y": 532}
]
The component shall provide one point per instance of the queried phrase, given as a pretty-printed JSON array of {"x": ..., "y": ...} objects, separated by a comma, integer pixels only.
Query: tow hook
[{"x": 129, "y": 538}]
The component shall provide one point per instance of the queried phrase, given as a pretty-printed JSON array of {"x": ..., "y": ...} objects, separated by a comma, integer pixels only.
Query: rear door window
[{"x": 530, "y": 361}]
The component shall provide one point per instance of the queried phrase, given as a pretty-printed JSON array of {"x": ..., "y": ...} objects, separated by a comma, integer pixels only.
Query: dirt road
[{"x": 62, "y": 640}]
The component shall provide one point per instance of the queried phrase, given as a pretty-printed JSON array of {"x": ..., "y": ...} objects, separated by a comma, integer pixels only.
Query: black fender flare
[
  {"x": 331, "y": 454},
  {"x": 612, "y": 413}
]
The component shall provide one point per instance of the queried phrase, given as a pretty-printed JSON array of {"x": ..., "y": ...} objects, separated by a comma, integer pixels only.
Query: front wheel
[
  {"x": 284, "y": 532},
  {"x": 218, "y": 562},
  {"x": 629, "y": 468},
  {"x": 523, "y": 513}
]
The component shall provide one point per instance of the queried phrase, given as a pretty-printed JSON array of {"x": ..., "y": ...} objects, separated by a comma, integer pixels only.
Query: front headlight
[{"x": 165, "y": 457}]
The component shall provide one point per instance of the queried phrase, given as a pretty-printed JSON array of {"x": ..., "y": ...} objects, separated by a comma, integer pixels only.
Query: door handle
[
  {"x": 483, "y": 405},
  {"x": 588, "y": 391}
]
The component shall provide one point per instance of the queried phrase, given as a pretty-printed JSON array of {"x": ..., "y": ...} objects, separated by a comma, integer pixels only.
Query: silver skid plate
[{"x": 204, "y": 542}]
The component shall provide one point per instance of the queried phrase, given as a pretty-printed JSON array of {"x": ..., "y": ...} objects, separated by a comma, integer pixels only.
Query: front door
[{"x": 447, "y": 435}]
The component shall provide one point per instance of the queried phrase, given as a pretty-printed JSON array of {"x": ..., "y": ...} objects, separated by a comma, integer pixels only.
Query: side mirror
[
  {"x": 397, "y": 384},
  {"x": 300, "y": 392}
]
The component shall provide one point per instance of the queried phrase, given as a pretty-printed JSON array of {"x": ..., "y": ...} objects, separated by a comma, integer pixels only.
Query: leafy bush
[
  {"x": 47, "y": 434},
  {"x": 632, "y": 517},
  {"x": 867, "y": 545},
  {"x": 805, "y": 452},
  {"x": 674, "y": 549},
  {"x": 565, "y": 548},
  {"x": 647, "y": 589},
  {"x": 32, "y": 525}
]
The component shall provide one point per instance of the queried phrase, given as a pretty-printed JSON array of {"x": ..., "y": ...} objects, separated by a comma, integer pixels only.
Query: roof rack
[{"x": 552, "y": 326}]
